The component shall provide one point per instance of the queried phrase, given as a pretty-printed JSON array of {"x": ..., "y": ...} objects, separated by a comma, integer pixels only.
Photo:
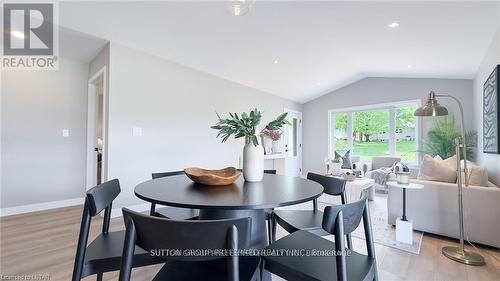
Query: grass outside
[{"x": 366, "y": 150}]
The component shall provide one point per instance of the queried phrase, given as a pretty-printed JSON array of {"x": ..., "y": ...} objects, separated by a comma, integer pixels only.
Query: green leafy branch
[{"x": 245, "y": 125}]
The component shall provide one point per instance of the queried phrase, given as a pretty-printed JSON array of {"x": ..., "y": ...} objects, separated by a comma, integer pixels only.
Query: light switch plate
[
  {"x": 65, "y": 133},
  {"x": 136, "y": 132}
]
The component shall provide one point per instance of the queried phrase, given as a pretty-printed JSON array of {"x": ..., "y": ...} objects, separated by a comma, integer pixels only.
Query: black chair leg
[
  {"x": 99, "y": 277},
  {"x": 273, "y": 228},
  {"x": 128, "y": 251},
  {"x": 269, "y": 229},
  {"x": 349, "y": 241},
  {"x": 152, "y": 210}
]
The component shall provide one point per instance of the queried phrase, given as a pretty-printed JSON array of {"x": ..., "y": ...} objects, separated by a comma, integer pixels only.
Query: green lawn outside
[{"x": 366, "y": 150}]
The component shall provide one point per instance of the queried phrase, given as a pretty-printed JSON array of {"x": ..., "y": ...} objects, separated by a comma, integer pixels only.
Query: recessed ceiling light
[
  {"x": 409, "y": 66},
  {"x": 319, "y": 83},
  {"x": 276, "y": 61},
  {"x": 17, "y": 34},
  {"x": 394, "y": 24}
]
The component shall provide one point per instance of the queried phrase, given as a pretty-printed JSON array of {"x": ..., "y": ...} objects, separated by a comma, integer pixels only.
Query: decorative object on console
[
  {"x": 403, "y": 175},
  {"x": 491, "y": 113},
  {"x": 275, "y": 136},
  {"x": 346, "y": 159},
  {"x": 433, "y": 108},
  {"x": 246, "y": 126},
  {"x": 333, "y": 166},
  {"x": 267, "y": 143},
  {"x": 349, "y": 176}
]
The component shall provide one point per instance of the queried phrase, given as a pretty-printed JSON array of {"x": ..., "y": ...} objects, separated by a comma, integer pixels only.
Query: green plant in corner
[
  {"x": 245, "y": 125},
  {"x": 440, "y": 140}
]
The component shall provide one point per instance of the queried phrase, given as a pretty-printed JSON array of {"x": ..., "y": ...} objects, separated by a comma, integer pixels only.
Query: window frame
[{"x": 391, "y": 107}]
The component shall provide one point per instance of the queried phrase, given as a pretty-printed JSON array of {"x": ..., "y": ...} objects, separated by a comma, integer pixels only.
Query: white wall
[
  {"x": 491, "y": 59},
  {"x": 175, "y": 107},
  {"x": 374, "y": 91},
  {"x": 38, "y": 164}
]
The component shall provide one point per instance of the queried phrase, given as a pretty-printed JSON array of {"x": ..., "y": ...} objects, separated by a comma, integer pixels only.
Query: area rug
[{"x": 384, "y": 233}]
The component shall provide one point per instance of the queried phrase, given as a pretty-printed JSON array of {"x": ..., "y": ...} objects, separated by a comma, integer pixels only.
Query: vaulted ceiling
[{"x": 300, "y": 50}]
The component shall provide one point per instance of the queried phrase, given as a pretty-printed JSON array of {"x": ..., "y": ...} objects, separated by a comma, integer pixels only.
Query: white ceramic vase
[
  {"x": 267, "y": 142},
  {"x": 276, "y": 147},
  {"x": 253, "y": 161}
]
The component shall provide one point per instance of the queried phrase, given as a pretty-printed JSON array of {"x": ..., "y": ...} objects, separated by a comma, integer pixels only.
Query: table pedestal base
[
  {"x": 258, "y": 236},
  {"x": 404, "y": 231}
]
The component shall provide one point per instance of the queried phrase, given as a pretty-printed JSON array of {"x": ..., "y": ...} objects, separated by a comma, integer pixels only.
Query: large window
[{"x": 378, "y": 130}]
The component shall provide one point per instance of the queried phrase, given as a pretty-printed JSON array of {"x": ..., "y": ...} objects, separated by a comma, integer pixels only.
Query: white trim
[
  {"x": 386, "y": 105},
  {"x": 92, "y": 100},
  {"x": 299, "y": 140},
  {"x": 40, "y": 206},
  {"x": 117, "y": 212}
]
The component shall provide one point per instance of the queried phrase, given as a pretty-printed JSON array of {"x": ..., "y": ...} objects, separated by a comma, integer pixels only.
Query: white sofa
[{"x": 434, "y": 209}]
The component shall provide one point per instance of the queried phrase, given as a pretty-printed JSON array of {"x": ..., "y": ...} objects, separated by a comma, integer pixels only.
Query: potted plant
[
  {"x": 245, "y": 125},
  {"x": 333, "y": 166}
]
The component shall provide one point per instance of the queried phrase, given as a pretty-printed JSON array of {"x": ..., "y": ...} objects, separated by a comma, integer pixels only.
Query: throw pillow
[
  {"x": 346, "y": 159},
  {"x": 436, "y": 170},
  {"x": 451, "y": 162},
  {"x": 478, "y": 175}
]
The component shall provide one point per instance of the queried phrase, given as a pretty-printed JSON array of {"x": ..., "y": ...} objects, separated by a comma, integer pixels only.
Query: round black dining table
[{"x": 240, "y": 199}]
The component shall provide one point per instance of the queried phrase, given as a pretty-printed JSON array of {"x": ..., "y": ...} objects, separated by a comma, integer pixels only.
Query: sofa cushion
[
  {"x": 478, "y": 176},
  {"x": 436, "y": 170}
]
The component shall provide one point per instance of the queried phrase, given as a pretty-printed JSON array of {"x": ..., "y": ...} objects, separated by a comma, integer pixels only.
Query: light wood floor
[{"x": 45, "y": 242}]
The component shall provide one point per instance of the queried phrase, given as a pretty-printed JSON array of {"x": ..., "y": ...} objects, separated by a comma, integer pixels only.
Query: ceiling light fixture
[
  {"x": 17, "y": 34},
  {"x": 394, "y": 24},
  {"x": 409, "y": 66},
  {"x": 239, "y": 7},
  {"x": 276, "y": 61}
]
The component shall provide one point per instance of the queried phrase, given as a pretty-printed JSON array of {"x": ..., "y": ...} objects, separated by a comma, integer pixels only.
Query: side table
[{"x": 404, "y": 227}]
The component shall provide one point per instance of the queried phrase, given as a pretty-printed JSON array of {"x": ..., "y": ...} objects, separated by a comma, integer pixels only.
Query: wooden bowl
[{"x": 224, "y": 176}]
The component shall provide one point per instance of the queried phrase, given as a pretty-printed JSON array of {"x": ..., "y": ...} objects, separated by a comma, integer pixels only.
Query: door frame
[
  {"x": 92, "y": 119},
  {"x": 299, "y": 140}
]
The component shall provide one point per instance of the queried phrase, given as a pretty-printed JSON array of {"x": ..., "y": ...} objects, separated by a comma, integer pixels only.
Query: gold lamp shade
[{"x": 431, "y": 107}]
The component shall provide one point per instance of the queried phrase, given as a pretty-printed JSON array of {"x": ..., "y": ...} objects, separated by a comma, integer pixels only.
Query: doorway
[
  {"x": 293, "y": 143},
  {"x": 96, "y": 129}
]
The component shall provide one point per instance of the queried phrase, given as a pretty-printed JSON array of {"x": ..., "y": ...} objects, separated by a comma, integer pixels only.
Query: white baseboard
[
  {"x": 117, "y": 212},
  {"x": 40, "y": 207}
]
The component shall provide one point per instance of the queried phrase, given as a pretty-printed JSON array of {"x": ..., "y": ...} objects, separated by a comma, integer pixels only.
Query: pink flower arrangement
[{"x": 275, "y": 135}]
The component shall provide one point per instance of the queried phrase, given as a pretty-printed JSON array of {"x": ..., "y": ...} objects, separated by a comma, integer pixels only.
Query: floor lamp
[{"x": 433, "y": 108}]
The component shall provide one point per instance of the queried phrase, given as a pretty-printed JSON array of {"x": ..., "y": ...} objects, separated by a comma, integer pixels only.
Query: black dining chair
[
  {"x": 172, "y": 212},
  {"x": 186, "y": 247},
  {"x": 104, "y": 253},
  {"x": 332, "y": 261},
  {"x": 310, "y": 220}
]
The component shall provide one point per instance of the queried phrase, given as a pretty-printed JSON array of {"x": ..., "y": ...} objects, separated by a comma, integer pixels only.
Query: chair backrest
[
  {"x": 101, "y": 196},
  {"x": 331, "y": 185},
  {"x": 166, "y": 174},
  {"x": 340, "y": 220},
  {"x": 154, "y": 233},
  {"x": 352, "y": 213},
  {"x": 98, "y": 198}
]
